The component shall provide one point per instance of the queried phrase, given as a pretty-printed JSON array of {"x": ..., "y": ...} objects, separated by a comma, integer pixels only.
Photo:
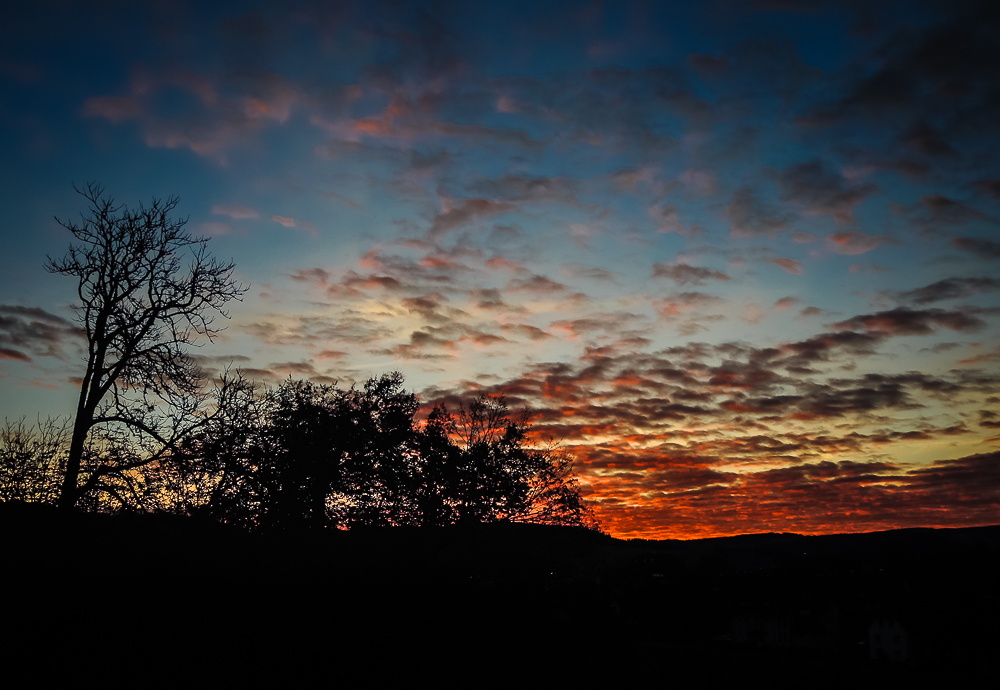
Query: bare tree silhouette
[
  {"x": 141, "y": 392},
  {"x": 32, "y": 460}
]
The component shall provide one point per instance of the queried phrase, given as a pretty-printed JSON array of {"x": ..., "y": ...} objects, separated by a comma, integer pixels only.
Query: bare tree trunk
[{"x": 81, "y": 425}]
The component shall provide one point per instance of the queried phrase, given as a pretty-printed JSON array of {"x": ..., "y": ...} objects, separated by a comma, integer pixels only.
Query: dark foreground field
[{"x": 144, "y": 599}]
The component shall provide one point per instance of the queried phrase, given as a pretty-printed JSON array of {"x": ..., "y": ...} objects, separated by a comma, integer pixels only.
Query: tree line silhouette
[
  {"x": 306, "y": 454},
  {"x": 149, "y": 435}
]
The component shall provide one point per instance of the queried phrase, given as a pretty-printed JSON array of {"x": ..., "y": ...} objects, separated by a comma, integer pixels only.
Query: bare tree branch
[{"x": 141, "y": 312}]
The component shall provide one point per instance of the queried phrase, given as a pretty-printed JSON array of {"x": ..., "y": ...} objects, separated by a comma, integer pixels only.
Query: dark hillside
[{"x": 469, "y": 599}]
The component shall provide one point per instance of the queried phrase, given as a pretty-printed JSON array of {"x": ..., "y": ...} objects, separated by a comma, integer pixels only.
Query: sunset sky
[{"x": 741, "y": 258}]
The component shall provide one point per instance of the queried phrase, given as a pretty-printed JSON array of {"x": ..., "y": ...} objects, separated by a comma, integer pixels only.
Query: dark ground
[{"x": 147, "y": 598}]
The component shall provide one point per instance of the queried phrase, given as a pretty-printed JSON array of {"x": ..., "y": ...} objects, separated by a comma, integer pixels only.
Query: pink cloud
[
  {"x": 526, "y": 330},
  {"x": 685, "y": 274},
  {"x": 115, "y": 109},
  {"x": 465, "y": 211},
  {"x": 37, "y": 382},
  {"x": 855, "y": 242},
  {"x": 506, "y": 105},
  {"x": 206, "y": 141},
  {"x": 216, "y": 229},
  {"x": 144, "y": 82},
  {"x": 536, "y": 283},
  {"x": 983, "y": 358},
  {"x": 442, "y": 263},
  {"x": 675, "y": 305},
  {"x": 790, "y": 265},
  {"x": 287, "y": 222},
  {"x": 235, "y": 211},
  {"x": 219, "y": 122},
  {"x": 498, "y": 263},
  {"x": 311, "y": 275},
  {"x": 785, "y": 302},
  {"x": 13, "y": 354}
]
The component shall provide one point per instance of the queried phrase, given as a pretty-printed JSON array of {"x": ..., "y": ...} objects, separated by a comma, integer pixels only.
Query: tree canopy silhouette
[
  {"x": 312, "y": 454},
  {"x": 141, "y": 392},
  {"x": 497, "y": 475}
]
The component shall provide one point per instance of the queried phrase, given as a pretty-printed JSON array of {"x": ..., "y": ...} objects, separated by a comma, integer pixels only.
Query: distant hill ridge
[{"x": 477, "y": 596}]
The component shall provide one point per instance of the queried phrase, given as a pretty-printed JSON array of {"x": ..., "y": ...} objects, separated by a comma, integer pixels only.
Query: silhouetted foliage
[
  {"x": 141, "y": 393},
  {"x": 307, "y": 454},
  {"x": 32, "y": 461},
  {"x": 437, "y": 471},
  {"x": 312, "y": 454},
  {"x": 499, "y": 476}
]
